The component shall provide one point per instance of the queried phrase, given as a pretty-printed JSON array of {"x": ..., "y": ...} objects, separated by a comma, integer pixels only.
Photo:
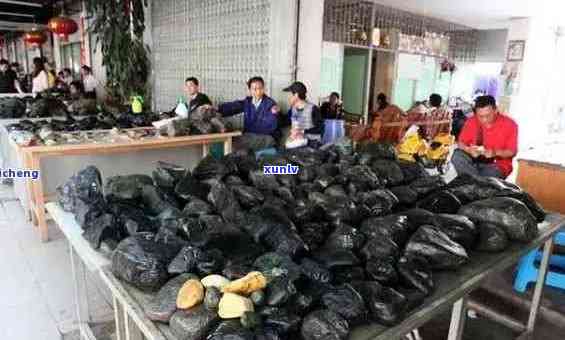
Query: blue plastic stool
[
  {"x": 528, "y": 272},
  {"x": 265, "y": 152}
]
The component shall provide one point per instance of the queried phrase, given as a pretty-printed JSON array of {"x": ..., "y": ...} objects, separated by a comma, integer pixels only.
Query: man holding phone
[{"x": 487, "y": 143}]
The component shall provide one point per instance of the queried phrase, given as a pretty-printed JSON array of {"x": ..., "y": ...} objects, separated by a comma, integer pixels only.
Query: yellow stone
[
  {"x": 252, "y": 282},
  {"x": 234, "y": 306},
  {"x": 191, "y": 294}
]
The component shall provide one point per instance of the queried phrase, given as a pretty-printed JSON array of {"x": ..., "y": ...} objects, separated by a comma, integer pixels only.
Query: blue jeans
[{"x": 465, "y": 164}]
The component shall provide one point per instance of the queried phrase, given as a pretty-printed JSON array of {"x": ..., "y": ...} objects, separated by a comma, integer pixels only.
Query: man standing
[
  {"x": 260, "y": 117},
  {"x": 8, "y": 78},
  {"x": 196, "y": 99},
  {"x": 487, "y": 143}
]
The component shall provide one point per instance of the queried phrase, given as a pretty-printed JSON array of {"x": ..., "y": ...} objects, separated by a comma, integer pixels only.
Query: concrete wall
[{"x": 310, "y": 46}]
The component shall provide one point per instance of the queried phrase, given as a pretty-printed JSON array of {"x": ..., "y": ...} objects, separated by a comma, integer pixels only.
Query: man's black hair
[
  {"x": 485, "y": 101},
  {"x": 255, "y": 80},
  {"x": 335, "y": 94},
  {"x": 192, "y": 80},
  {"x": 4, "y": 62},
  {"x": 435, "y": 100}
]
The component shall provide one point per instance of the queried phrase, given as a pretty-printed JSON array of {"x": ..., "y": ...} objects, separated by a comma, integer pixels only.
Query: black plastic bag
[
  {"x": 274, "y": 265},
  {"x": 324, "y": 325},
  {"x": 418, "y": 217},
  {"x": 363, "y": 177},
  {"x": 279, "y": 291},
  {"x": 232, "y": 180},
  {"x": 406, "y": 196},
  {"x": 230, "y": 330},
  {"x": 336, "y": 190},
  {"x": 323, "y": 182},
  {"x": 164, "y": 304},
  {"x": 248, "y": 197},
  {"x": 426, "y": 185},
  {"x": 386, "y": 305},
  {"x": 167, "y": 175},
  {"x": 126, "y": 188},
  {"x": 412, "y": 170},
  {"x": 393, "y": 227},
  {"x": 285, "y": 194},
  {"x": 263, "y": 181},
  {"x": 314, "y": 234},
  {"x": 142, "y": 262},
  {"x": 535, "y": 208},
  {"x": 346, "y": 274},
  {"x": 225, "y": 203},
  {"x": 378, "y": 150},
  {"x": 380, "y": 248},
  {"x": 306, "y": 156},
  {"x": 331, "y": 258},
  {"x": 376, "y": 203},
  {"x": 347, "y": 302},
  {"x": 345, "y": 237},
  {"x": 302, "y": 191},
  {"x": 512, "y": 215},
  {"x": 469, "y": 188},
  {"x": 459, "y": 228},
  {"x": 314, "y": 271},
  {"x": 492, "y": 238},
  {"x": 190, "y": 188},
  {"x": 383, "y": 271},
  {"x": 437, "y": 248},
  {"x": 441, "y": 202},
  {"x": 197, "y": 207},
  {"x": 336, "y": 210},
  {"x": 306, "y": 174},
  {"x": 327, "y": 170},
  {"x": 415, "y": 273},
  {"x": 156, "y": 201},
  {"x": 210, "y": 167},
  {"x": 287, "y": 181},
  {"x": 388, "y": 171}
]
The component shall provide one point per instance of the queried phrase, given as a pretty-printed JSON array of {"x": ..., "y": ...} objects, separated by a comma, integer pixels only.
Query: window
[{"x": 70, "y": 55}]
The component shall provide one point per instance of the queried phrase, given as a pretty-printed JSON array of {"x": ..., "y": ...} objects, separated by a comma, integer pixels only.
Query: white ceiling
[{"x": 480, "y": 14}]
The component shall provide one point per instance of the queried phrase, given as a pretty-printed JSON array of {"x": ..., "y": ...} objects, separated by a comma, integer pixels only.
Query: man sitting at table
[
  {"x": 195, "y": 97},
  {"x": 487, "y": 143},
  {"x": 260, "y": 117}
]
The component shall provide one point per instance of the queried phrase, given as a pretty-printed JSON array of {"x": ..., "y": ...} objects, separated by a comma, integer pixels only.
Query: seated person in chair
[
  {"x": 260, "y": 117},
  {"x": 487, "y": 143}
]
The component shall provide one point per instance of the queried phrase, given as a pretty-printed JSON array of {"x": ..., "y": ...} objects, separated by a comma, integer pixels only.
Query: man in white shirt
[{"x": 90, "y": 83}]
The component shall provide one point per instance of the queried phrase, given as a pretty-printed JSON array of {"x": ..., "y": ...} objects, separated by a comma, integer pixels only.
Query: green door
[{"x": 355, "y": 65}]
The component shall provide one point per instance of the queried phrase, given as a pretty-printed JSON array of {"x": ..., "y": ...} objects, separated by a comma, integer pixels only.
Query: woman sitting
[{"x": 80, "y": 104}]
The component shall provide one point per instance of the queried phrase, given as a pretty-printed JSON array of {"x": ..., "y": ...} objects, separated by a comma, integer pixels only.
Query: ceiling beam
[{"x": 17, "y": 14}]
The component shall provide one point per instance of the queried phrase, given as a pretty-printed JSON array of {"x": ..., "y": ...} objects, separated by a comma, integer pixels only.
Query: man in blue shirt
[{"x": 260, "y": 117}]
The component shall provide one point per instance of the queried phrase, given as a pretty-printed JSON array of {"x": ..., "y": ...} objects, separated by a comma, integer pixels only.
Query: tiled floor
[{"x": 37, "y": 294}]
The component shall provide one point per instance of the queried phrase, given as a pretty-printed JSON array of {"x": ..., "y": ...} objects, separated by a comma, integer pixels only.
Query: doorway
[{"x": 354, "y": 85}]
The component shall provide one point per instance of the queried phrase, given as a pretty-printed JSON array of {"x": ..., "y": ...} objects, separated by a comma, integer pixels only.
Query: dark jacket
[
  {"x": 200, "y": 100},
  {"x": 259, "y": 120}
]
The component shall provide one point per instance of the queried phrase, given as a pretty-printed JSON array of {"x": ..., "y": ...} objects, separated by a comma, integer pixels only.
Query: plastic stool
[
  {"x": 528, "y": 272},
  {"x": 265, "y": 152}
]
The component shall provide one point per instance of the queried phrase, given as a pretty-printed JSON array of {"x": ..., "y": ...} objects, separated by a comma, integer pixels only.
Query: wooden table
[
  {"x": 32, "y": 160},
  {"x": 452, "y": 289}
]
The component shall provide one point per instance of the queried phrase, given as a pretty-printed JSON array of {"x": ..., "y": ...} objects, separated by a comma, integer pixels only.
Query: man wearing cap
[
  {"x": 487, "y": 143},
  {"x": 260, "y": 117},
  {"x": 305, "y": 117}
]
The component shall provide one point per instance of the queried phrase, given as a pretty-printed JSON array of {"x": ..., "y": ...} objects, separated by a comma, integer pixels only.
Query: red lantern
[
  {"x": 35, "y": 38},
  {"x": 62, "y": 27}
]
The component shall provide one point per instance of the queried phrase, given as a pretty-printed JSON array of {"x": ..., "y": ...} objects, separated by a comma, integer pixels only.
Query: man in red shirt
[{"x": 487, "y": 143}]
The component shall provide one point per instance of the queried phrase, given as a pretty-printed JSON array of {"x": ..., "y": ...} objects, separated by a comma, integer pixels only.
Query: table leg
[
  {"x": 205, "y": 150},
  {"x": 39, "y": 199},
  {"x": 29, "y": 191},
  {"x": 540, "y": 284},
  {"x": 458, "y": 316},
  {"x": 119, "y": 318},
  {"x": 228, "y": 146},
  {"x": 132, "y": 331},
  {"x": 80, "y": 287}
]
